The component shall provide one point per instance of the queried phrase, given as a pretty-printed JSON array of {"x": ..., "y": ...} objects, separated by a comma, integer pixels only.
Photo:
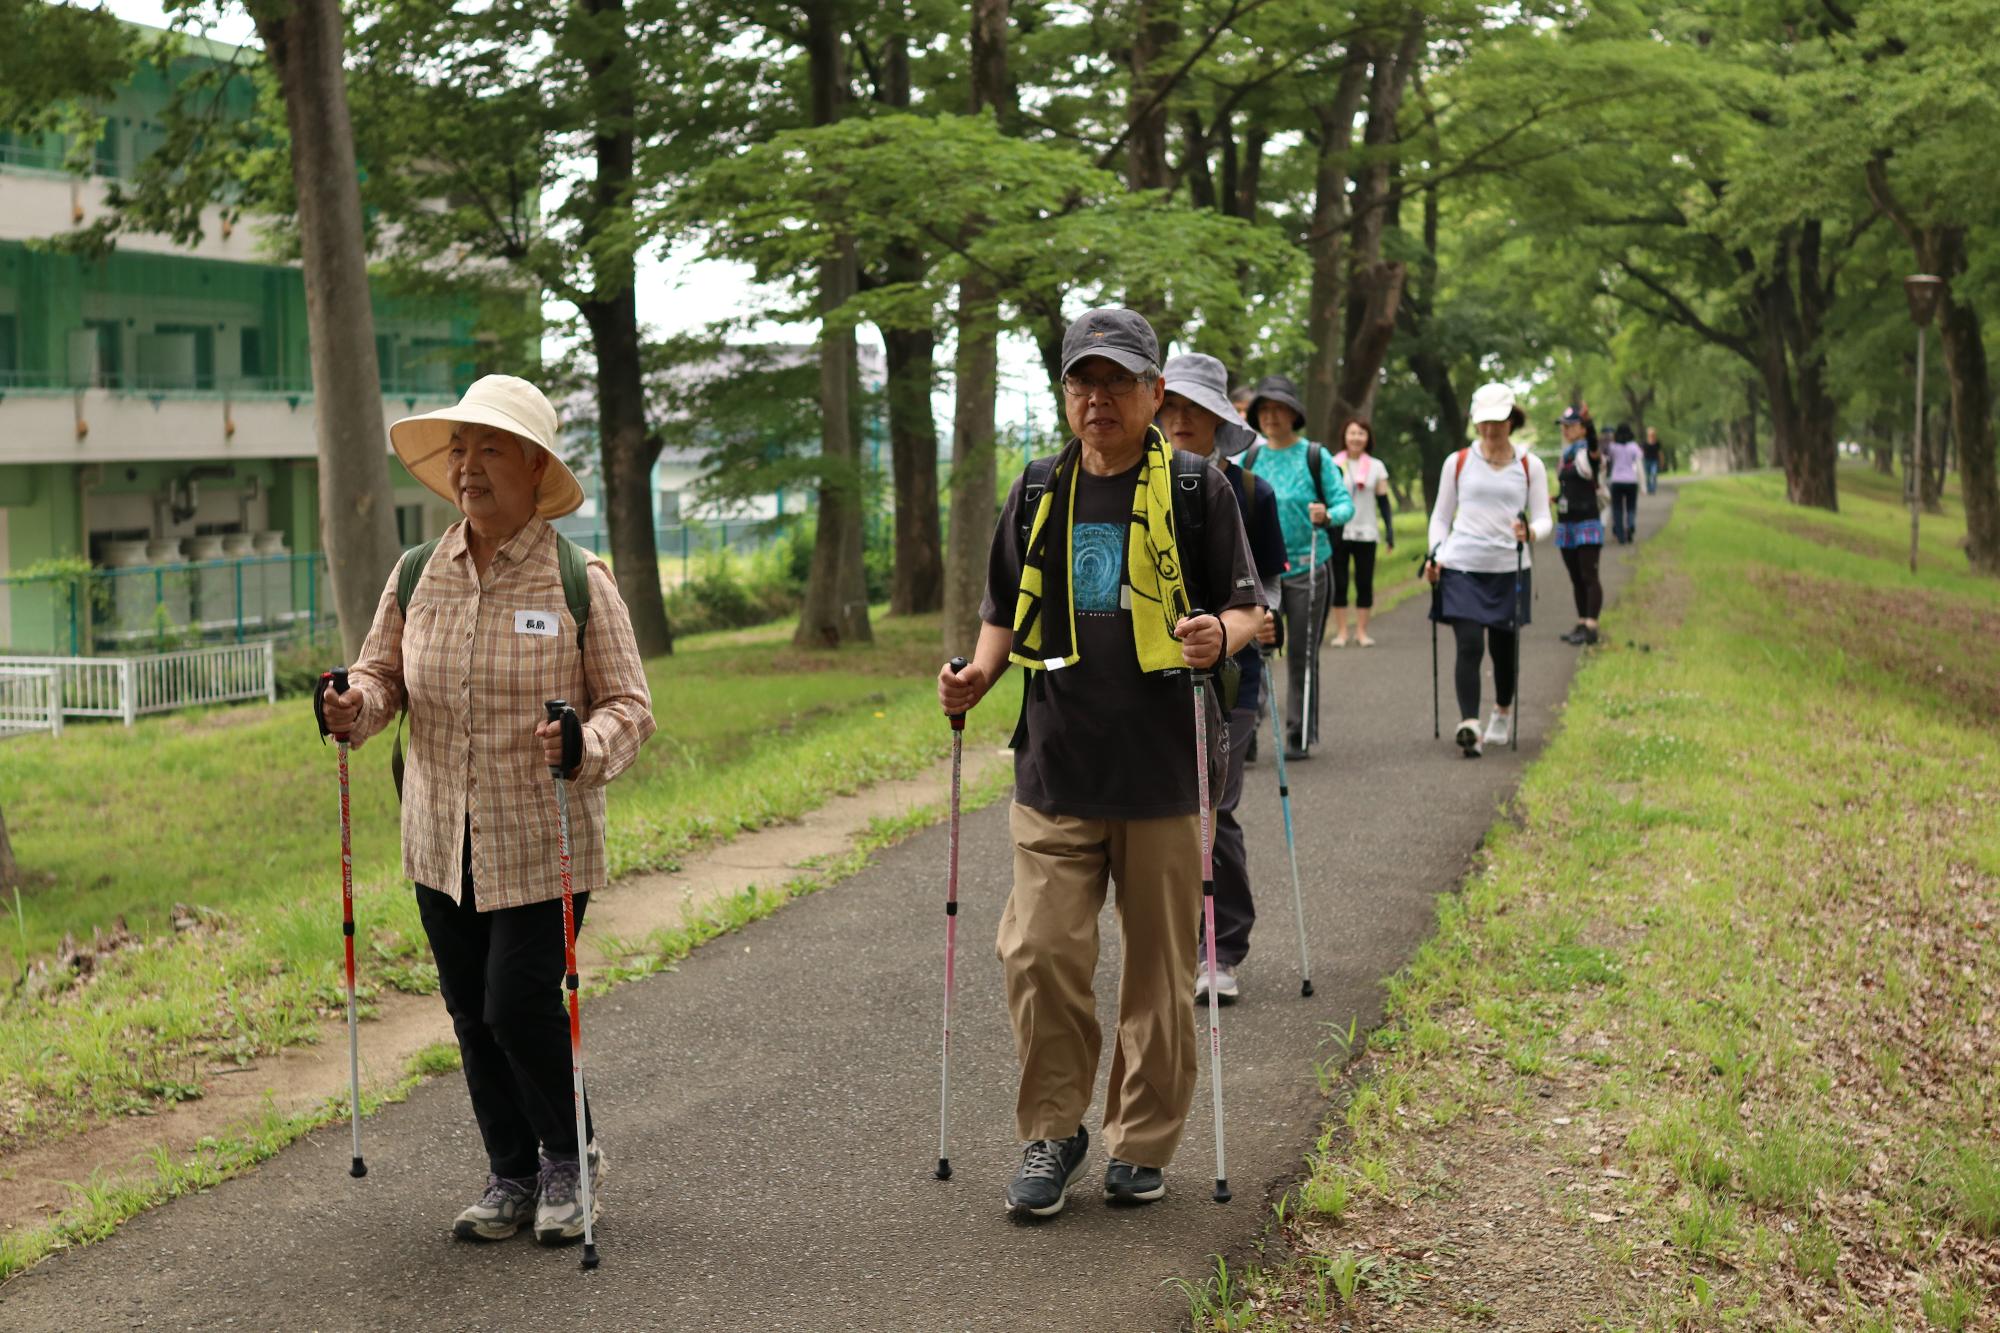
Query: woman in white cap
[
  {"x": 1492, "y": 505},
  {"x": 473, "y": 633}
]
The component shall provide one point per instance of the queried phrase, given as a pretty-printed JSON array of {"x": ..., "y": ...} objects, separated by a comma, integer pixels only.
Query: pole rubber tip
[
  {"x": 589, "y": 1264},
  {"x": 944, "y": 1168},
  {"x": 1221, "y": 1191},
  {"x": 358, "y": 1168},
  {"x": 1306, "y": 989}
]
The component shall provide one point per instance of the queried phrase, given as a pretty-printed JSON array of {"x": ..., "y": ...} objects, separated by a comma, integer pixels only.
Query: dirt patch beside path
[{"x": 37, "y": 1184}]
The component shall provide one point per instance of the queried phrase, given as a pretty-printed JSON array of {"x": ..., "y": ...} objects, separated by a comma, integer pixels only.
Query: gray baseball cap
[
  {"x": 1204, "y": 381},
  {"x": 1116, "y": 334}
]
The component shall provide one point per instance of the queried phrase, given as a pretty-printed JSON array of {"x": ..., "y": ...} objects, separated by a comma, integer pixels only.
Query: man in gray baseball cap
[{"x": 1090, "y": 584}]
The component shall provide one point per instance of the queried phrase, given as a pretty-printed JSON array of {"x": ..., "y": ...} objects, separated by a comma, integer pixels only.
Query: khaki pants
[{"x": 1048, "y": 946}]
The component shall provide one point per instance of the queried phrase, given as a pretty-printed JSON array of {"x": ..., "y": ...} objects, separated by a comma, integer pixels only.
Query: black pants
[
  {"x": 1625, "y": 510},
  {"x": 501, "y": 974},
  {"x": 1363, "y": 556},
  {"x": 1302, "y": 602},
  {"x": 1582, "y": 561},
  {"x": 1473, "y": 640},
  {"x": 1235, "y": 913}
]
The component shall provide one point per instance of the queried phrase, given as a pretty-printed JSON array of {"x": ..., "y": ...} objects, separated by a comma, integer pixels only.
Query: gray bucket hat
[
  {"x": 1204, "y": 381},
  {"x": 1278, "y": 389}
]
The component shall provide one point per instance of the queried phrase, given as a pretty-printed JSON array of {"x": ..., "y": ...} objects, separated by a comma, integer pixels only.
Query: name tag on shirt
[{"x": 536, "y": 622}]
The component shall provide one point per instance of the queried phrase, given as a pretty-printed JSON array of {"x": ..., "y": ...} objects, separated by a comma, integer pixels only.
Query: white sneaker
[
  {"x": 1467, "y": 737},
  {"x": 1500, "y": 728},
  {"x": 1226, "y": 989}
]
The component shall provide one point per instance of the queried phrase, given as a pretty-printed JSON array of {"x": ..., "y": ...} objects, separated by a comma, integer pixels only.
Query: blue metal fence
[{"x": 157, "y": 608}]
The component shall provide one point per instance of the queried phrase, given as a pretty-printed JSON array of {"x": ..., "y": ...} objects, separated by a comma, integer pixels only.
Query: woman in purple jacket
[{"x": 1625, "y": 457}]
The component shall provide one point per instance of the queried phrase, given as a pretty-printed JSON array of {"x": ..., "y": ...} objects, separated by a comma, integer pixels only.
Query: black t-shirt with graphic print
[{"x": 1105, "y": 740}]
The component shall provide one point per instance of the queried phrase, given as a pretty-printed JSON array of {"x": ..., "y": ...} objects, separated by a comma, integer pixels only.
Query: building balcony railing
[{"x": 205, "y": 387}]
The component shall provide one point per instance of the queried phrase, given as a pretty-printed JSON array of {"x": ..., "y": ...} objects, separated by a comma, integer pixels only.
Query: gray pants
[
  {"x": 1303, "y": 627},
  {"x": 1234, "y": 912}
]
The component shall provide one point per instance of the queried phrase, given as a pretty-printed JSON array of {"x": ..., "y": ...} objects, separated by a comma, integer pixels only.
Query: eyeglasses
[{"x": 1118, "y": 386}]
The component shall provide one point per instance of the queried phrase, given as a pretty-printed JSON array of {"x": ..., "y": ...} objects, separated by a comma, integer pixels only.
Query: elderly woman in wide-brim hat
[{"x": 473, "y": 633}]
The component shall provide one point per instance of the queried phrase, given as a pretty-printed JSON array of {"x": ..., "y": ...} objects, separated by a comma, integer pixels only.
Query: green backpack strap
[
  {"x": 410, "y": 571},
  {"x": 575, "y": 563}
]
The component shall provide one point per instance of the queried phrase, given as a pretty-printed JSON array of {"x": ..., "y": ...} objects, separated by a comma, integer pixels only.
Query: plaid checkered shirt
[{"x": 474, "y": 661}]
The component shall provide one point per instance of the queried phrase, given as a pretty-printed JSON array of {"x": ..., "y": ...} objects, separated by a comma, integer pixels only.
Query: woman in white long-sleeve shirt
[{"x": 1480, "y": 561}]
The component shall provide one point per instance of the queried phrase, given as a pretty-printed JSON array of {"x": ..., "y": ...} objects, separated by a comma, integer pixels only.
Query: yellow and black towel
[{"x": 1045, "y": 611}]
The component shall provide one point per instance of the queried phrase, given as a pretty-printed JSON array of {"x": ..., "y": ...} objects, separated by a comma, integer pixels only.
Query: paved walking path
[{"x": 769, "y": 1110}]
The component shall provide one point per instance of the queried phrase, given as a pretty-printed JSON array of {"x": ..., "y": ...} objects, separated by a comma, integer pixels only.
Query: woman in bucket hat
[
  {"x": 1312, "y": 504},
  {"x": 1198, "y": 418},
  {"x": 472, "y": 646},
  {"x": 1492, "y": 506}
]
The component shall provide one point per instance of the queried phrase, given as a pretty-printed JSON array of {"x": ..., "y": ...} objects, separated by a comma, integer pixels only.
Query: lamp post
[{"x": 1923, "y": 290}]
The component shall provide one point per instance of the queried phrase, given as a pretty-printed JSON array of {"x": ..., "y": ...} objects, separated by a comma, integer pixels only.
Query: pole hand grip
[
  {"x": 958, "y": 664},
  {"x": 565, "y": 717},
  {"x": 338, "y": 677}
]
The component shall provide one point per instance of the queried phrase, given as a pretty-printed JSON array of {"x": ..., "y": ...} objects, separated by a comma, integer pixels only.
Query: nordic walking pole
[
  {"x": 1312, "y": 638},
  {"x": 1514, "y": 732},
  {"x": 565, "y": 717},
  {"x": 950, "y": 932},
  {"x": 1425, "y": 571},
  {"x": 1208, "y": 910},
  {"x": 338, "y": 678},
  {"x": 1291, "y": 843}
]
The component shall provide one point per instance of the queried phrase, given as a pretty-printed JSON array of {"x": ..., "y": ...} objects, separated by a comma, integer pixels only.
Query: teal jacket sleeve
[{"x": 1339, "y": 504}]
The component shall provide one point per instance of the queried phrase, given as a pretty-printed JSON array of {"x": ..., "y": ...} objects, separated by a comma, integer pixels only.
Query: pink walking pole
[
  {"x": 1208, "y": 918},
  {"x": 950, "y": 933}
]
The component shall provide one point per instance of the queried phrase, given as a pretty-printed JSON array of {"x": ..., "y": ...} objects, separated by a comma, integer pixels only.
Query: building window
[
  {"x": 250, "y": 356},
  {"x": 409, "y": 524},
  {"x": 9, "y": 348},
  {"x": 178, "y": 356}
]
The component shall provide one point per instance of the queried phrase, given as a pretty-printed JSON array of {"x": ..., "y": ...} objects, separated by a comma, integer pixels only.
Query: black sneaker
[
  {"x": 1589, "y": 637},
  {"x": 1577, "y": 636},
  {"x": 1048, "y": 1168},
  {"x": 1125, "y": 1183}
]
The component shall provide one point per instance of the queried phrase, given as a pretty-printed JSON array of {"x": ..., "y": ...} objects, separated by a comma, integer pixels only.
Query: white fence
[
  {"x": 30, "y": 700},
  {"x": 130, "y": 687}
]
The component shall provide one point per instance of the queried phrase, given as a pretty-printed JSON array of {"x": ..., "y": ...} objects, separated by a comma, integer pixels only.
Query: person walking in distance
[
  {"x": 1091, "y": 578},
  {"x": 1354, "y": 546},
  {"x": 1579, "y": 526},
  {"x": 1623, "y": 460},
  {"x": 1197, "y": 420},
  {"x": 474, "y": 632},
  {"x": 1480, "y": 559},
  {"x": 1650, "y": 451},
  {"x": 1312, "y": 502}
]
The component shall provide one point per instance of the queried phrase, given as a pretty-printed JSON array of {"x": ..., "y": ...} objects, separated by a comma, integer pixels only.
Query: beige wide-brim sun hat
[{"x": 504, "y": 402}]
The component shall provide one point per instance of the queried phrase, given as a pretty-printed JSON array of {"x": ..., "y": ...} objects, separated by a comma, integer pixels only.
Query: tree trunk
[
  {"x": 1374, "y": 287},
  {"x": 1326, "y": 242},
  {"x": 1972, "y": 428},
  {"x": 917, "y": 585},
  {"x": 626, "y": 448},
  {"x": 976, "y": 372},
  {"x": 836, "y": 601},
  {"x": 628, "y": 451},
  {"x": 357, "y": 515}
]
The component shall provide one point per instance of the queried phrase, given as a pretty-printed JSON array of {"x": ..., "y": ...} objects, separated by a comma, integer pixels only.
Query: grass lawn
[
  {"x": 1712, "y": 1039},
  {"x": 214, "y": 836}
]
